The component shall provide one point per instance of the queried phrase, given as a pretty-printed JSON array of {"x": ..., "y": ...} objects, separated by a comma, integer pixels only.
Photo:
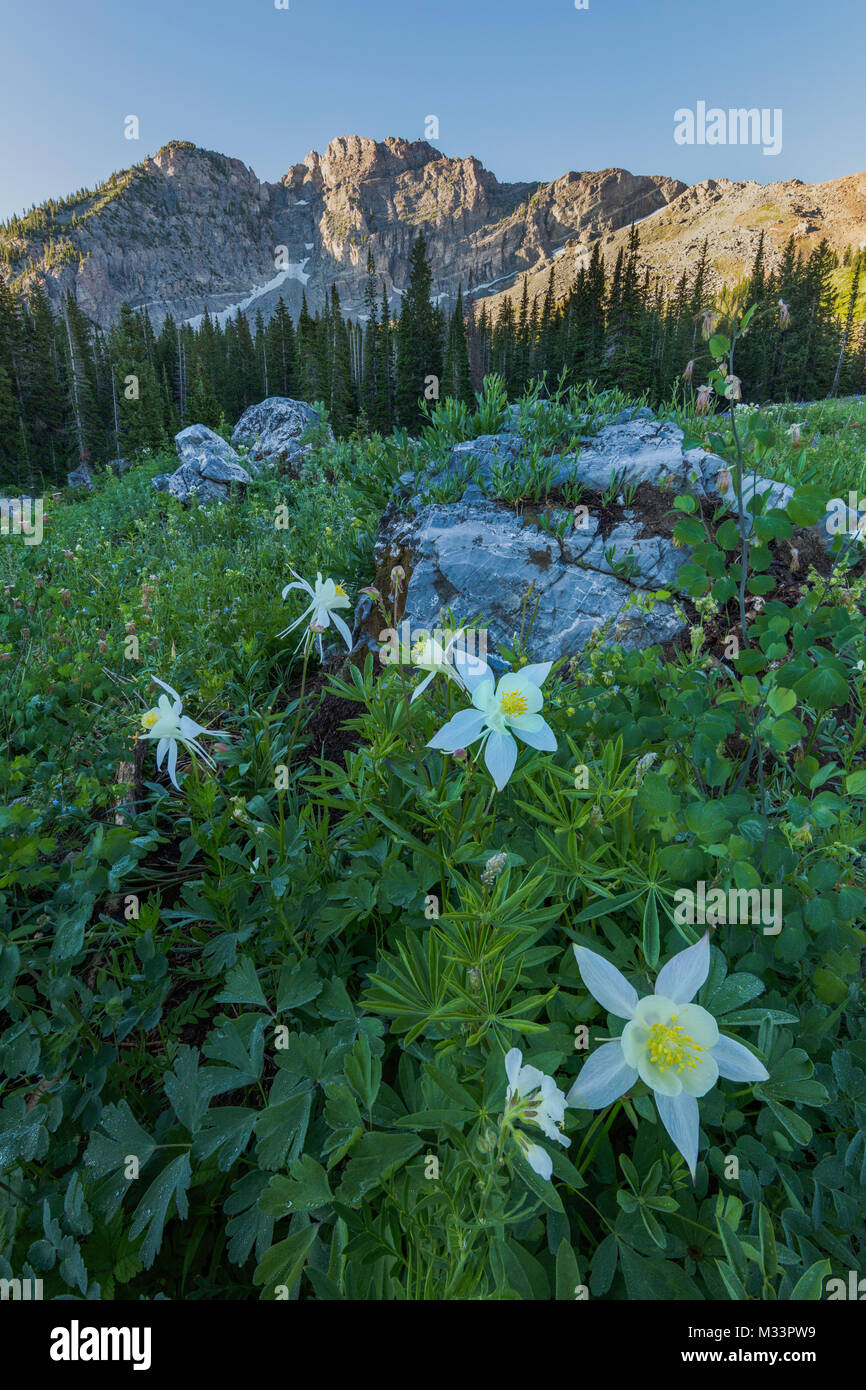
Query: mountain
[
  {"x": 731, "y": 217},
  {"x": 189, "y": 228}
]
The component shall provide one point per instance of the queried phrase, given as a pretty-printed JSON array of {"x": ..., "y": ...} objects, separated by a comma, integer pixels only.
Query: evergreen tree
[{"x": 419, "y": 339}]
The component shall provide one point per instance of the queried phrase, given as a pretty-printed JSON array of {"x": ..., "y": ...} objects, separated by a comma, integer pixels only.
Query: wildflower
[
  {"x": 398, "y": 574},
  {"x": 371, "y": 592},
  {"x": 670, "y": 1043},
  {"x": 429, "y": 655},
  {"x": 643, "y": 766},
  {"x": 65, "y": 597},
  {"x": 512, "y": 705},
  {"x": 493, "y": 868},
  {"x": 733, "y": 388},
  {"x": 708, "y": 324},
  {"x": 325, "y": 599},
  {"x": 723, "y": 480},
  {"x": 533, "y": 1098},
  {"x": 689, "y": 370},
  {"x": 170, "y": 726},
  {"x": 702, "y": 399}
]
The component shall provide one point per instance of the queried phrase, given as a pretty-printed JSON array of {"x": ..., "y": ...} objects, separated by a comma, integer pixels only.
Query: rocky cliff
[{"x": 189, "y": 228}]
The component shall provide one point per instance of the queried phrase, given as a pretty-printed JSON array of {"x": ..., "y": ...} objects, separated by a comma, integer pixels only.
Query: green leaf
[
  {"x": 825, "y": 685},
  {"x": 242, "y": 984},
  {"x": 227, "y": 1131},
  {"x": 810, "y": 1285},
  {"x": 299, "y": 984},
  {"x": 107, "y": 1152},
  {"x": 187, "y": 1089},
  {"x": 659, "y": 1280},
  {"x": 282, "y": 1128},
  {"x": 171, "y": 1184},
  {"x": 567, "y": 1272},
  {"x": 767, "y": 1237},
  {"x": 650, "y": 930},
  {"x": 306, "y": 1189},
  {"x": 283, "y": 1264},
  {"x": 375, "y": 1156}
]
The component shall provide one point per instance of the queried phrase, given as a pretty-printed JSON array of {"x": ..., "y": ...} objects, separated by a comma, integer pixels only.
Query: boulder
[
  {"x": 208, "y": 467},
  {"x": 273, "y": 431},
  {"x": 80, "y": 477},
  {"x": 596, "y": 565}
]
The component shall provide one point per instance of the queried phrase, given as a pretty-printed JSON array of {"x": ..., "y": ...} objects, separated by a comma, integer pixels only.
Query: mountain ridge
[{"x": 188, "y": 228}]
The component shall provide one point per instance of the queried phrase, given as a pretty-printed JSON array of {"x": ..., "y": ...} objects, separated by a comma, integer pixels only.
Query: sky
[{"x": 533, "y": 88}]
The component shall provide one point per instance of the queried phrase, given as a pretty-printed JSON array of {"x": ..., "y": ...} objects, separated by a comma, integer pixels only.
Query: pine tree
[
  {"x": 456, "y": 378},
  {"x": 419, "y": 339}
]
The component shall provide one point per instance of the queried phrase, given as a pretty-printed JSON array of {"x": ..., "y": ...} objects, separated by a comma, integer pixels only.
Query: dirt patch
[{"x": 328, "y": 736}]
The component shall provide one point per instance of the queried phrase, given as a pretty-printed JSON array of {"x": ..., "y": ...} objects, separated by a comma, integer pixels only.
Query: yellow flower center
[
  {"x": 339, "y": 591},
  {"x": 419, "y": 651},
  {"x": 668, "y": 1046},
  {"x": 514, "y": 704},
  {"x": 148, "y": 720}
]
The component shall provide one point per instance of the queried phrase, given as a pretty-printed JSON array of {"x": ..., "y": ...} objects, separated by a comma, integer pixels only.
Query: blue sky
[{"x": 532, "y": 87}]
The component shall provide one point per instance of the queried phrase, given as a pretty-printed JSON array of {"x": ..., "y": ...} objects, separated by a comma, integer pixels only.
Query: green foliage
[{"x": 253, "y": 1035}]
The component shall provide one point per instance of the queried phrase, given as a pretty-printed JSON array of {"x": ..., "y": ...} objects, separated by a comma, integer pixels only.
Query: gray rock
[
  {"x": 119, "y": 466},
  {"x": 80, "y": 477},
  {"x": 273, "y": 431},
  {"x": 480, "y": 560},
  {"x": 208, "y": 467},
  {"x": 625, "y": 416},
  {"x": 160, "y": 482},
  {"x": 209, "y": 454},
  {"x": 489, "y": 565}
]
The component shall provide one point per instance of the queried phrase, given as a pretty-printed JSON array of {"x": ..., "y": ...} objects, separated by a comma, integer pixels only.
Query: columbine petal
[
  {"x": 605, "y": 983},
  {"x": 162, "y": 702},
  {"x": 539, "y": 1160},
  {"x": 500, "y": 755},
  {"x": 423, "y": 686},
  {"x": 604, "y": 1077},
  {"x": 482, "y": 691},
  {"x": 513, "y": 1061},
  {"x": 736, "y": 1062},
  {"x": 536, "y": 674},
  {"x": 679, "y": 1115},
  {"x": 472, "y": 670},
  {"x": 542, "y": 737},
  {"x": 172, "y": 764},
  {"x": 343, "y": 630},
  {"x": 685, "y": 972},
  {"x": 462, "y": 728}
]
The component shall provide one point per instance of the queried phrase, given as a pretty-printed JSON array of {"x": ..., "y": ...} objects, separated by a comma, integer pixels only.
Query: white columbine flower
[
  {"x": 170, "y": 726},
  {"x": 325, "y": 598},
  {"x": 533, "y": 1098},
  {"x": 428, "y": 654},
  {"x": 511, "y": 707},
  {"x": 670, "y": 1043}
]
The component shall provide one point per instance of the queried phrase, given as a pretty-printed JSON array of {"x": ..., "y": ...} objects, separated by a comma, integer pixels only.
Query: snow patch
[{"x": 295, "y": 271}]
